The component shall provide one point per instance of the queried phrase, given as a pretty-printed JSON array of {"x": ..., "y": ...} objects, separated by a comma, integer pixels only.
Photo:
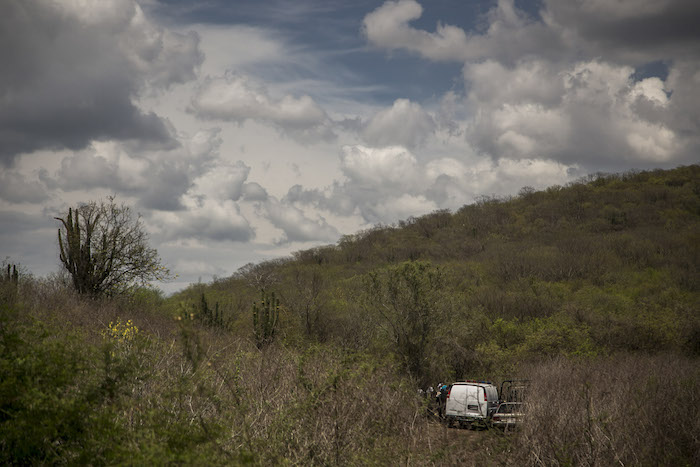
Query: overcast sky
[{"x": 243, "y": 130}]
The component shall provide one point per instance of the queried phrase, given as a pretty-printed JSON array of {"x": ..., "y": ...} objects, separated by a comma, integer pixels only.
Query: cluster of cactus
[
  {"x": 208, "y": 316},
  {"x": 12, "y": 275},
  {"x": 265, "y": 319},
  {"x": 201, "y": 312}
]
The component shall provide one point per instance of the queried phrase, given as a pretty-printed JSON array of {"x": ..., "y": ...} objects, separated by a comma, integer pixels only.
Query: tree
[
  {"x": 105, "y": 249},
  {"x": 408, "y": 297},
  {"x": 305, "y": 299}
]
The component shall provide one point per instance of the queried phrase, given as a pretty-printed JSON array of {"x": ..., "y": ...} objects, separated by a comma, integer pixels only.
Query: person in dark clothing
[{"x": 442, "y": 399}]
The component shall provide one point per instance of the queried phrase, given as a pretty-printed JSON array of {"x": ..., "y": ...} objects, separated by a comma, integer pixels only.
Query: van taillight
[
  {"x": 449, "y": 391},
  {"x": 485, "y": 398}
]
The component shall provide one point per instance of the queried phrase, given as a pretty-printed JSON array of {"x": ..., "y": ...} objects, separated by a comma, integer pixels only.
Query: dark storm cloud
[
  {"x": 68, "y": 79},
  {"x": 641, "y": 29}
]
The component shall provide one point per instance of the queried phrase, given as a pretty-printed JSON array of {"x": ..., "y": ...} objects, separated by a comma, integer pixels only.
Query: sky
[{"x": 246, "y": 130}]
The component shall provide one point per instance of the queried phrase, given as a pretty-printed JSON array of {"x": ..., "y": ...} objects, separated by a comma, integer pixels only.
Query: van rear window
[{"x": 473, "y": 407}]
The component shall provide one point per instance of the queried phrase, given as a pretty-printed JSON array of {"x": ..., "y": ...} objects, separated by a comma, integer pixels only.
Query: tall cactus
[
  {"x": 75, "y": 249},
  {"x": 208, "y": 316},
  {"x": 12, "y": 275},
  {"x": 265, "y": 319}
]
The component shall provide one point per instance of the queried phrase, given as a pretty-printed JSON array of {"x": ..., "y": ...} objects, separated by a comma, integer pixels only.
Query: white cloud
[
  {"x": 401, "y": 206},
  {"x": 392, "y": 166},
  {"x": 388, "y": 184},
  {"x": 16, "y": 188},
  {"x": 531, "y": 81},
  {"x": 584, "y": 113},
  {"x": 254, "y": 192},
  {"x": 204, "y": 220},
  {"x": 387, "y": 27},
  {"x": 237, "y": 98},
  {"x": 562, "y": 85},
  {"x": 405, "y": 123},
  {"x": 156, "y": 178},
  {"x": 225, "y": 181},
  {"x": 296, "y": 226},
  {"x": 510, "y": 34}
]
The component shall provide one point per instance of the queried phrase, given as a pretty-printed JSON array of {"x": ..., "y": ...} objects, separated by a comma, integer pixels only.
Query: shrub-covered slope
[{"x": 603, "y": 265}]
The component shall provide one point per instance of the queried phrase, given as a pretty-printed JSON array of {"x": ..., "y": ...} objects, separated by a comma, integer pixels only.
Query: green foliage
[
  {"x": 266, "y": 315},
  {"x": 408, "y": 298},
  {"x": 50, "y": 396}
]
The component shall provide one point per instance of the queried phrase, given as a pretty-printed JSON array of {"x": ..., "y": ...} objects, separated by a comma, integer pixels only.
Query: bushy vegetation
[{"x": 589, "y": 290}]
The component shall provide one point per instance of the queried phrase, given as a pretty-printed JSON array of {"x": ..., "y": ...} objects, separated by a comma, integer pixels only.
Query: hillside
[
  {"x": 590, "y": 290},
  {"x": 603, "y": 265}
]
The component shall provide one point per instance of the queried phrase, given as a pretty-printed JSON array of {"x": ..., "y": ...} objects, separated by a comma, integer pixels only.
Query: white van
[{"x": 471, "y": 402}]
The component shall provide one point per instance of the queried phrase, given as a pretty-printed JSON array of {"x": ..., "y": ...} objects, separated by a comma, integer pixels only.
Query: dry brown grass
[{"x": 623, "y": 410}]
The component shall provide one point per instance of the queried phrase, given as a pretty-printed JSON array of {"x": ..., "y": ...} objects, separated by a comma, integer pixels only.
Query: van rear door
[
  {"x": 457, "y": 400},
  {"x": 473, "y": 399}
]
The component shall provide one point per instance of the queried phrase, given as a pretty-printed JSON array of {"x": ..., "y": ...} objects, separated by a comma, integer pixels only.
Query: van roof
[{"x": 474, "y": 382}]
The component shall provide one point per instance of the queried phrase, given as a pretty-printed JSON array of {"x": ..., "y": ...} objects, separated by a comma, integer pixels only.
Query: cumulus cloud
[
  {"x": 388, "y": 27},
  {"x": 510, "y": 33},
  {"x": 296, "y": 225},
  {"x": 254, "y": 192},
  {"x": 71, "y": 72},
  {"x": 237, "y": 98},
  {"x": 15, "y": 188},
  {"x": 405, "y": 123},
  {"x": 157, "y": 178},
  {"x": 204, "y": 220},
  {"x": 389, "y": 184},
  {"x": 383, "y": 184},
  {"x": 563, "y": 84},
  {"x": 630, "y": 30},
  {"x": 225, "y": 182},
  {"x": 391, "y": 167},
  {"x": 586, "y": 112}
]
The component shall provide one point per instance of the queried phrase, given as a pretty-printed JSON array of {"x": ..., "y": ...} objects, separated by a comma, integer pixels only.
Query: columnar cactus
[
  {"x": 12, "y": 275},
  {"x": 75, "y": 251},
  {"x": 208, "y": 316},
  {"x": 265, "y": 318}
]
